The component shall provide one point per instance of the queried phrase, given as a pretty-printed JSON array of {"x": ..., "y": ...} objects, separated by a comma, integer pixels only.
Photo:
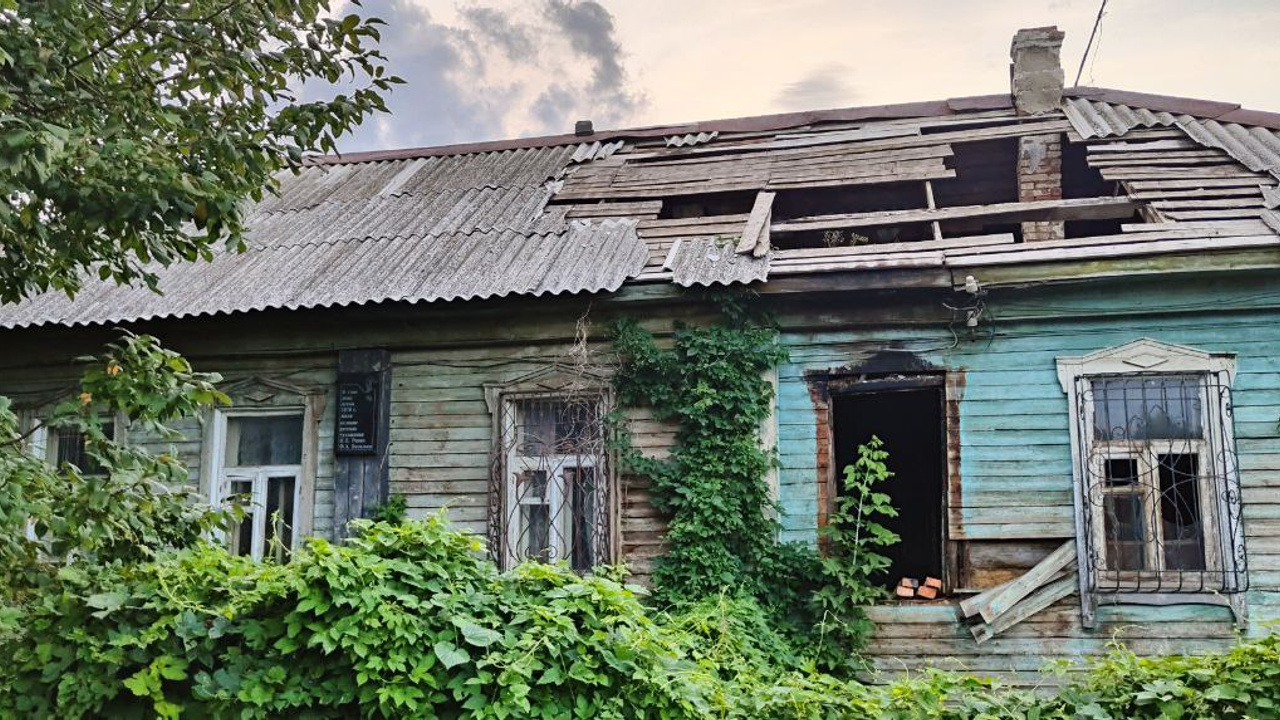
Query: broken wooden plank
[
  {"x": 1220, "y": 192},
  {"x": 996, "y": 601},
  {"x": 972, "y": 241},
  {"x": 1040, "y": 600},
  {"x": 1119, "y": 249},
  {"x": 1272, "y": 220},
  {"x": 756, "y": 234},
  {"x": 643, "y": 208},
  {"x": 1069, "y": 209}
]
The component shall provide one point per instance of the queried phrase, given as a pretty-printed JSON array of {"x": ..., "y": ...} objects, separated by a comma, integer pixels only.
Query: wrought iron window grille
[
  {"x": 552, "y": 482},
  {"x": 1161, "y": 485}
]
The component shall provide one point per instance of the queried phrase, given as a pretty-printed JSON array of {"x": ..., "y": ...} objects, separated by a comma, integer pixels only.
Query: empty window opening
[{"x": 908, "y": 416}]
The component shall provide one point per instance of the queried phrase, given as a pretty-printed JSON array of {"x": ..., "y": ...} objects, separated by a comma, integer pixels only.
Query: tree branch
[{"x": 119, "y": 35}]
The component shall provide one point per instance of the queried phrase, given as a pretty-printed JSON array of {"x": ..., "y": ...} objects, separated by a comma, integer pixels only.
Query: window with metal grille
[
  {"x": 553, "y": 487},
  {"x": 1161, "y": 488},
  {"x": 69, "y": 447}
]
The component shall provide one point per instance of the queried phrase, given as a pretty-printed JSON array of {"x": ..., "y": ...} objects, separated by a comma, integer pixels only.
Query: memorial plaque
[{"x": 357, "y": 416}]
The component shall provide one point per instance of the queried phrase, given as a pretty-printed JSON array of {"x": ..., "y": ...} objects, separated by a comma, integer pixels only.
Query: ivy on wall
[
  {"x": 722, "y": 538},
  {"x": 712, "y": 487}
]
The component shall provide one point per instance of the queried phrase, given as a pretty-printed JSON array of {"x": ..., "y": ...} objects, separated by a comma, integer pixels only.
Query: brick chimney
[
  {"x": 1036, "y": 75},
  {"x": 1036, "y": 80}
]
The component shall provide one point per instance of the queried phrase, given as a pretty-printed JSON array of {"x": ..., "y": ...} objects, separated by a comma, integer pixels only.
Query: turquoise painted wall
[{"x": 1014, "y": 424}]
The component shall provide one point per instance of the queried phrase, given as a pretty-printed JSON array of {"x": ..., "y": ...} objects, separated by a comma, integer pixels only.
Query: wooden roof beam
[{"x": 1101, "y": 208}]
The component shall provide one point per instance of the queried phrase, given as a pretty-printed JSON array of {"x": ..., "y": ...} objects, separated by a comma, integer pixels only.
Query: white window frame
[
  {"x": 558, "y": 493},
  {"x": 1145, "y": 357},
  {"x": 221, "y": 475}
]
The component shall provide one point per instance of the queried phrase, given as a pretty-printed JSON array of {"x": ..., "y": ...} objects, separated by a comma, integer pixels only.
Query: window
[
  {"x": 1149, "y": 475},
  {"x": 67, "y": 445},
  {"x": 259, "y": 463},
  {"x": 1158, "y": 496},
  {"x": 555, "y": 494}
]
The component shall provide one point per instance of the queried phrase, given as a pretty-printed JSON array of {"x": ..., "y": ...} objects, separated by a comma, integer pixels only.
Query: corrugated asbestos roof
[
  {"x": 585, "y": 257},
  {"x": 560, "y": 214},
  {"x": 708, "y": 261},
  {"x": 1257, "y": 148},
  {"x": 1094, "y": 119}
]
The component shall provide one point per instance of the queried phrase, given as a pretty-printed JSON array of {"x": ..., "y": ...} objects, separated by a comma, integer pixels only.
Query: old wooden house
[{"x": 1060, "y": 309}]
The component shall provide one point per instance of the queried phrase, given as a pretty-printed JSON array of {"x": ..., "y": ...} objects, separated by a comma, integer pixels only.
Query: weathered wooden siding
[
  {"x": 1015, "y": 448},
  {"x": 442, "y": 439}
]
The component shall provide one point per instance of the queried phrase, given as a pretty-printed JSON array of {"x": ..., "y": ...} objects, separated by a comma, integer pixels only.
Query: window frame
[
  {"x": 1152, "y": 358},
  {"x": 503, "y": 533},
  {"x": 221, "y": 476}
]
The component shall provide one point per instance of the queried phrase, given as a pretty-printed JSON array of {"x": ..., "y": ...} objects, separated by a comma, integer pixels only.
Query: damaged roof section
[{"x": 941, "y": 187}]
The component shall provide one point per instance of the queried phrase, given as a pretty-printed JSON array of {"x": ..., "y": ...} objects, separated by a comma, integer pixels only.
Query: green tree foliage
[
  {"x": 132, "y": 131},
  {"x": 129, "y": 510},
  {"x": 722, "y": 538}
]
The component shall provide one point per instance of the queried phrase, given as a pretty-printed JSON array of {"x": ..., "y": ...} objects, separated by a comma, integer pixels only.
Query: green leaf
[{"x": 449, "y": 654}]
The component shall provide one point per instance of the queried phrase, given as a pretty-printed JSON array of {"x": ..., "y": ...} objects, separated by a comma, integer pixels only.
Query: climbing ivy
[
  {"x": 722, "y": 538},
  {"x": 711, "y": 381}
]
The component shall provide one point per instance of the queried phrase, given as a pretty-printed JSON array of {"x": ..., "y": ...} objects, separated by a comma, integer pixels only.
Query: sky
[{"x": 492, "y": 69}]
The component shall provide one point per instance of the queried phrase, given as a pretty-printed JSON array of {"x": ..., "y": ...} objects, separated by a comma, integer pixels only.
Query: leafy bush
[
  {"x": 411, "y": 620},
  {"x": 405, "y": 620}
]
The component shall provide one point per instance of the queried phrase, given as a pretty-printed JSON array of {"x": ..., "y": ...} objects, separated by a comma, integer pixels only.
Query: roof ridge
[
  {"x": 749, "y": 123},
  {"x": 1195, "y": 107}
]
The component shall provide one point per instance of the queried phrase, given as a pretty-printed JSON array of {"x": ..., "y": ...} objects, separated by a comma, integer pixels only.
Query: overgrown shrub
[
  {"x": 405, "y": 620},
  {"x": 411, "y": 620}
]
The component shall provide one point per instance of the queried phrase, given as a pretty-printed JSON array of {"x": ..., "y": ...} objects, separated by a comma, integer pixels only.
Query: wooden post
[{"x": 361, "y": 480}]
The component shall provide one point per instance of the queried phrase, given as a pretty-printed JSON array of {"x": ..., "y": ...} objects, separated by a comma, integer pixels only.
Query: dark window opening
[
  {"x": 707, "y": 205},
  {"x": 910, "y": 421},
  {"x": 1180, "y": 520},
  {"x": 72, "y": 449}
]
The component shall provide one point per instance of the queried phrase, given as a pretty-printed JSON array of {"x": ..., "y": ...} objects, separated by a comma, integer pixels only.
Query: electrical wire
[{"x": 1097, "y": 23}]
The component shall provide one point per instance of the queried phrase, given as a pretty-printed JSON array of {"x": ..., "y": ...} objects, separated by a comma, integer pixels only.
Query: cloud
[
  {"x": 825, "y": 87},
  {"x": 495, "y": 72}
]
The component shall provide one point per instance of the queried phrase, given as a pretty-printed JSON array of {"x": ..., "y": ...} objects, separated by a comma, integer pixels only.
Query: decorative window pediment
[{"x": 1157, "y": 487}]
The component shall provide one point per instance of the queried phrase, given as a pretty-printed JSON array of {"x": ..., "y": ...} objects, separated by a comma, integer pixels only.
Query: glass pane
[
  {"x": 242, "y": 536},
  {"x": 582, "y": 489},
  {"x": 268, "y": 440},
  {"x": 71, "y": 449},
  {"x": 557, "y": 426},
  {"x": 1121, "y": 472},
  {"x": 279, "y": 539},
  {"x": 535, "y": 520},
  {"x": 1147, "y": 408},
  {"x": 1180, "y": 517},
  {"x": 532, "y": 485},
  {"x": 1125, "y": 531}
]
